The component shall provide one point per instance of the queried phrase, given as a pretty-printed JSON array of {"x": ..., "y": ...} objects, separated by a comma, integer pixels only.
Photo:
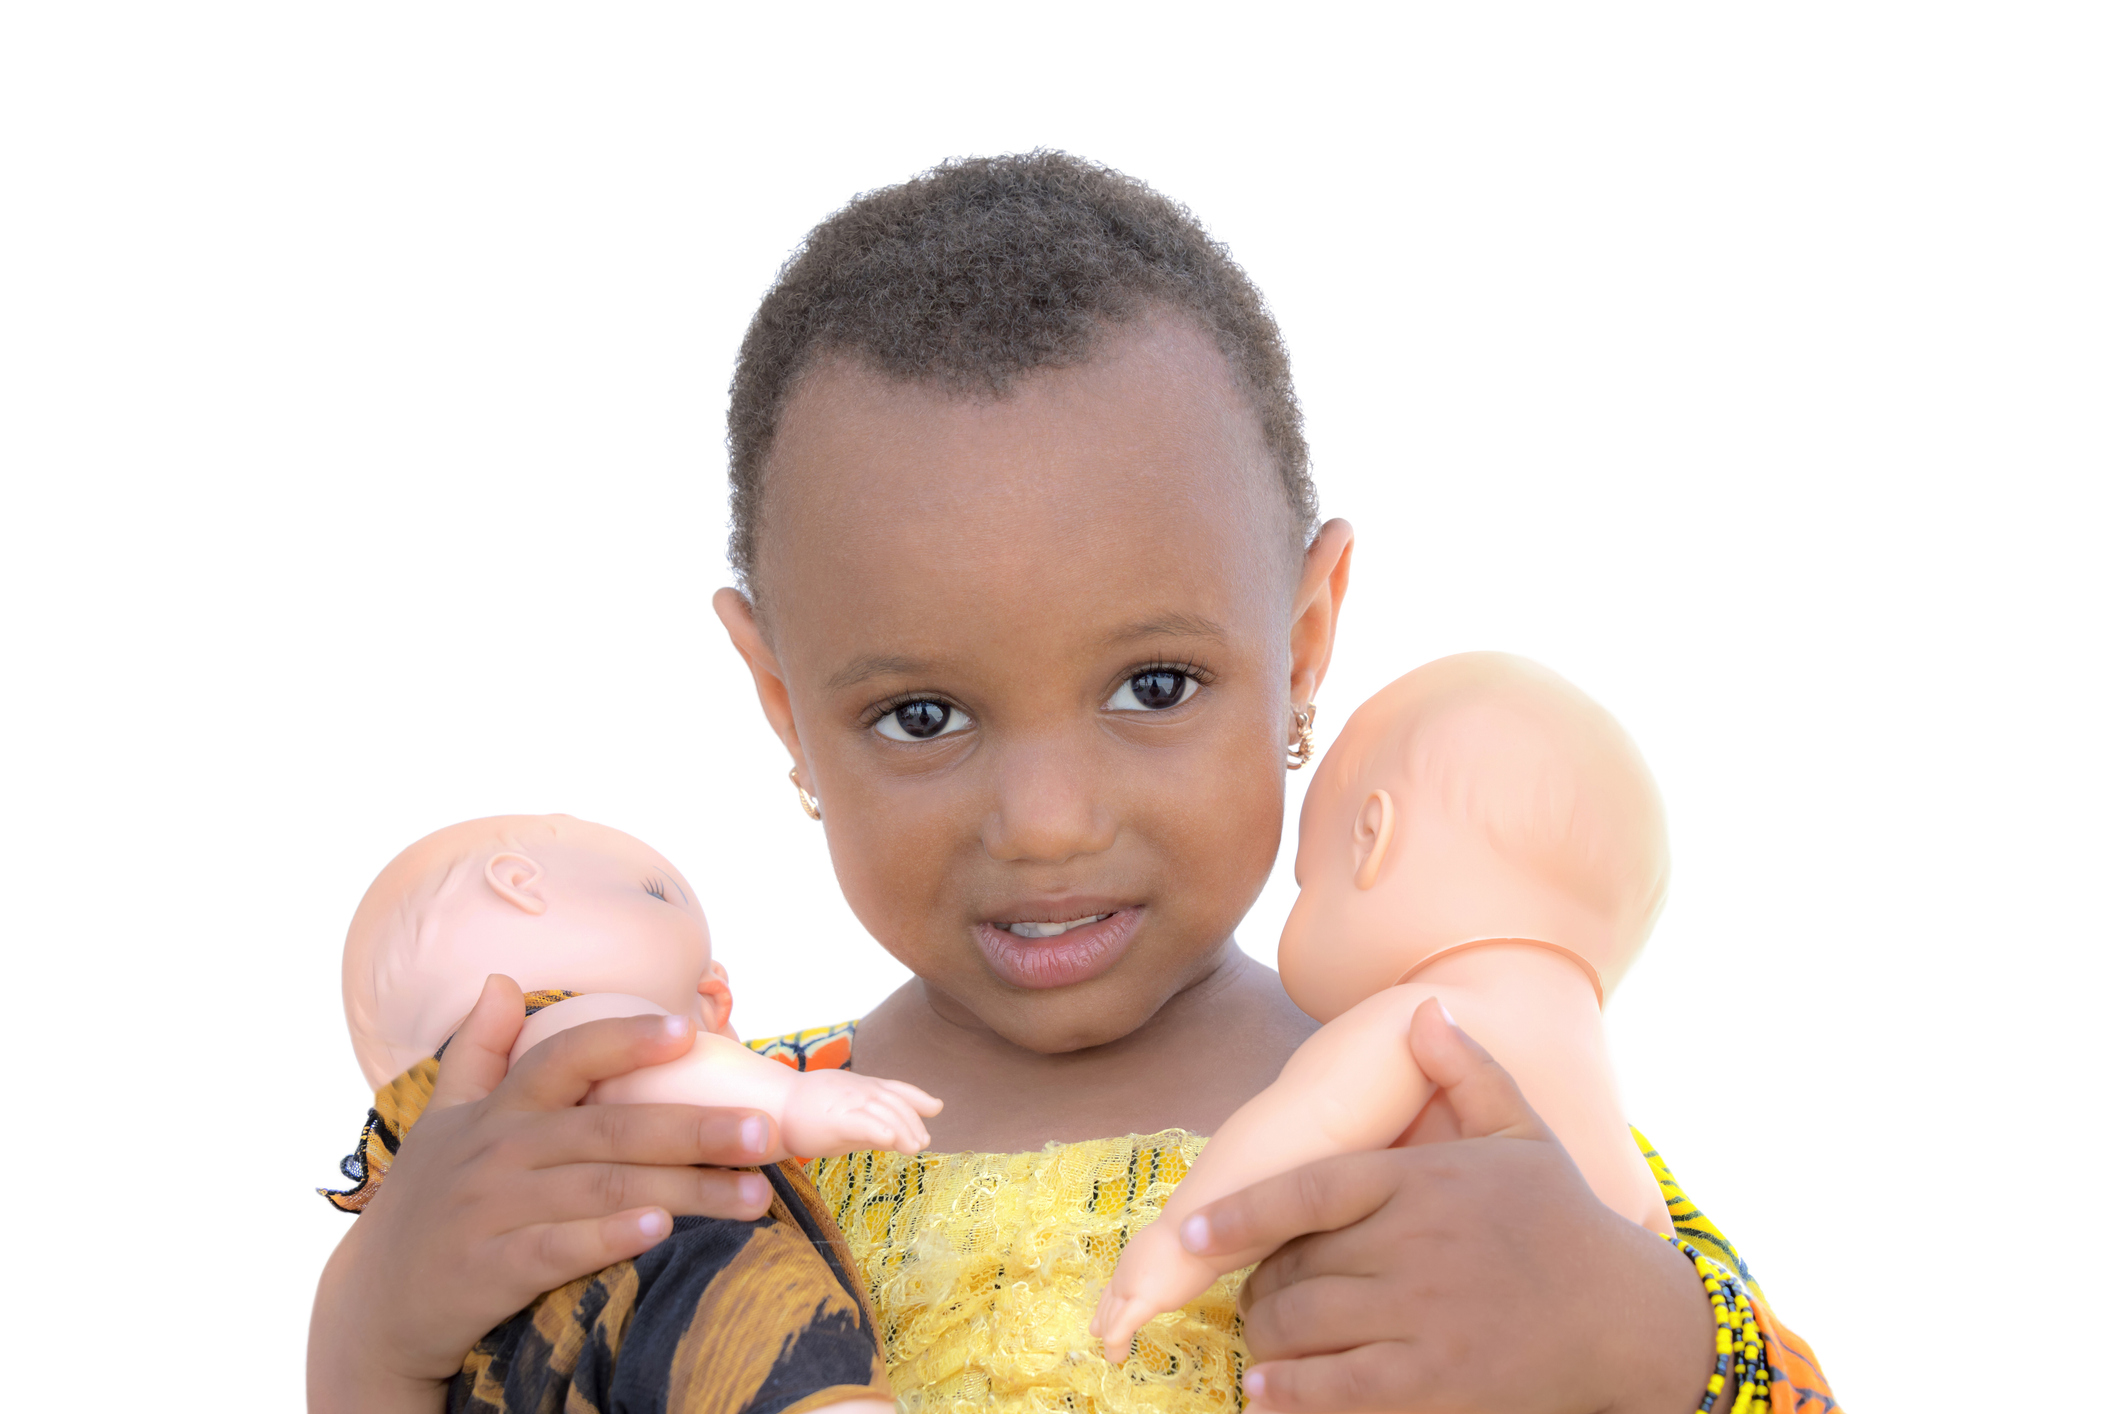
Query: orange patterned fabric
[
  {"x": 1798, "y": 1384},
  {"x": 819, "y": 1048}
]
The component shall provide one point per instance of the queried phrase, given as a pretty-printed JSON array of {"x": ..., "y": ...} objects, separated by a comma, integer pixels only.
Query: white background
[{"x": 361, "y": 382}]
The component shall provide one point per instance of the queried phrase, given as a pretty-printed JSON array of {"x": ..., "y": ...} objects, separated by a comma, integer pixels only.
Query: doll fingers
[
  {"x": 1116, "y": 1322},
  {"x": 909, "y": 1124},
  {"x": 907, "y": 1134},
  {"x": 913, "y": 1095},
  {"x": 871, "y": 1130}
]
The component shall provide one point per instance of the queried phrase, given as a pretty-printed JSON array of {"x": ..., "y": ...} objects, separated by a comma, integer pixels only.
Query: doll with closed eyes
[{"x": 599, "y": 925}]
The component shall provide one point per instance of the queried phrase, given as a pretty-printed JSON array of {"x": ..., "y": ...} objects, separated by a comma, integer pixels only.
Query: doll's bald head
[
  {"x": 549, "y": 900},
  {"x": 1480, "y": 797}
]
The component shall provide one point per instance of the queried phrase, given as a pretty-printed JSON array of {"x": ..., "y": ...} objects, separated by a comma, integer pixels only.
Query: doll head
[
  {"x": 548, "y": 900},
  {"x": 1481, "y": 797}
]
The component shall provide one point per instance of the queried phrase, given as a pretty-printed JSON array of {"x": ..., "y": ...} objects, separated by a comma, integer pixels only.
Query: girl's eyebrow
[
  {"x": 862, "y": 669},
  {"x": 1171, "y": 625}
]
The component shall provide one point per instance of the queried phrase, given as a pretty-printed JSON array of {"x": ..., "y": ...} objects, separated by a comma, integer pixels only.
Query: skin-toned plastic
[
  {"x": 1482, "y": 833},
  {"x": 555, "y": 902}
]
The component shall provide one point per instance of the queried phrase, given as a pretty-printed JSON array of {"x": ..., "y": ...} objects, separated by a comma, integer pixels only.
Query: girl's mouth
[{"x": 1041, "y": 955}]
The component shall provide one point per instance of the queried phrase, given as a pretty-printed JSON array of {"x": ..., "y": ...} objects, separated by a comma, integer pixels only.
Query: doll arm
[
  {"x": 1352, "y": 1086},
  {"x": 1554, "y": 1047},
  {"x": 819, "y": 1113}
]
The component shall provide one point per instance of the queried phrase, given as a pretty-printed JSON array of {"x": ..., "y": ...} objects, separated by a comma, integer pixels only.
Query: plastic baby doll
[
  {"x": 726, "y": 1314},
  {"x": 560, "y": 903},
  {"x": 1482, "y": 833}
]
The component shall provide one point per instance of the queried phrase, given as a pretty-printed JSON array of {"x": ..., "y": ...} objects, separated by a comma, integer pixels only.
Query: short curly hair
[{"x": 987, "y": 268}]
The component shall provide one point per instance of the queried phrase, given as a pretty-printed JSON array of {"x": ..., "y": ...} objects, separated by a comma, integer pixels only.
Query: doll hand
[
  {"x": 1155, "y": 1274},
  {"x": 1473, "y": 1269},
  {"x": 837, "y": 1112}
]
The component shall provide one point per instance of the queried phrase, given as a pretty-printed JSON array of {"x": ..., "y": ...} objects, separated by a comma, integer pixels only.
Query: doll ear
[
  {"x": 1372, "y": 837},
  {"x": 515, "y": 877},
  {"x": 716, "y": 1001}
]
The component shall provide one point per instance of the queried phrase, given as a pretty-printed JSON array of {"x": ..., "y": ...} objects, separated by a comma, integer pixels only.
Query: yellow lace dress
[
  {"x": 983, "y": 1271},
  {"x": 985, "y": 1268}
]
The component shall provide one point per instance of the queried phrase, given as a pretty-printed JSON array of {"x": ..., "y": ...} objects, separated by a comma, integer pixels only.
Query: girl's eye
[
  {"x": 1153, "y": 691},
  {"x": 921, "y": 721}
]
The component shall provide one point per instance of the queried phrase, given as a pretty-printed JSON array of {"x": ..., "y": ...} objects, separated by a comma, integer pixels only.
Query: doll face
[
  {"x": 550, "y": 901},
  {"x": 593, "y": 911},
  {"x": 1033, "y": 655}
]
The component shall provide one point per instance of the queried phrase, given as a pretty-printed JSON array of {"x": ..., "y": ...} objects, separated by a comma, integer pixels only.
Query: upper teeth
[{"x": 1052, "y": 930}]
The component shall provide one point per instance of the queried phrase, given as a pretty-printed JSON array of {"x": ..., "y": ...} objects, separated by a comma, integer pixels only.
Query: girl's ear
[
  {"x": 741, "y": 621},
  {"x": 716, "y": 1001},
  {"x": 518, "y": 879},
  {"x": 1372, "y": 837},
  {"x": 1318, "y": 593}
]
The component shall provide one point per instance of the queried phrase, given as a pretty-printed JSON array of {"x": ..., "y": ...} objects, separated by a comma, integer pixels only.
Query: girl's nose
[{"x": 1047, "y": 805}]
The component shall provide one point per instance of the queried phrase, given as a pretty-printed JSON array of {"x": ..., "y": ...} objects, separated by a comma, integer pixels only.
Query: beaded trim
[{"x": 1736, "y": 1337}]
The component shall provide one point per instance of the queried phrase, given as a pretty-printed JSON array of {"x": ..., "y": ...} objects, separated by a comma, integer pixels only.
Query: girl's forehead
[{"x": 1139, "y": 483}]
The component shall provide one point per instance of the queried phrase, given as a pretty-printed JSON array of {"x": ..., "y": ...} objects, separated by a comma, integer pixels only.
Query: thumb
[
  {"x": 1483, "y": 1096},
  {"x": 476, "y": 1057}
]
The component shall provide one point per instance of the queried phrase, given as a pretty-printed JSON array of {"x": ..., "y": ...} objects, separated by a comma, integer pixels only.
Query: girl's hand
[
  {"x": 1472, "y": 1269},
  {"x": 504, "y": 1189}
]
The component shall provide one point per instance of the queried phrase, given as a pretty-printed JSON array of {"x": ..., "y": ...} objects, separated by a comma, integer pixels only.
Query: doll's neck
[{"x": 1502, "y": 961}]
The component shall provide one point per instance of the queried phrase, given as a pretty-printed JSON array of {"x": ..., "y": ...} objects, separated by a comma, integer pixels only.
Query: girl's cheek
[
  {"x": 1226, "y": 822},
  {"x": 895, "y": 866}
]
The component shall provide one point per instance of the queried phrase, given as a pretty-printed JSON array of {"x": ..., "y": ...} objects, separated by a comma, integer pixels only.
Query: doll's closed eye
[
  {"x": 922, "y": 719},
  {"x": 654, "y": 886},
  {"x": 1153, "y": 690}
]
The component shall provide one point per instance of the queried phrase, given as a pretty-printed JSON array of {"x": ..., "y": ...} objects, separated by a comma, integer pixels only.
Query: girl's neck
[{"x": 1209, "y": 1048}]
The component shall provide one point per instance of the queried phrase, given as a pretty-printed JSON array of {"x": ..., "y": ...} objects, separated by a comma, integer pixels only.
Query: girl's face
[{"x": 1038, "y": 659}]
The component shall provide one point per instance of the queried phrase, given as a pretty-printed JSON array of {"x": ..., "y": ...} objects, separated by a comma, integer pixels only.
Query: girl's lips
[{"x": 1074, "y": 956}]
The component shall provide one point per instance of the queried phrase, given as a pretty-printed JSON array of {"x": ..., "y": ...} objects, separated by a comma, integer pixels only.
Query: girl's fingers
[
  {"x": 592, "y": 1190},
  {"x": 1483, "y": 1096},
  {"x": 1321, "y": 1315},
  {"x": 641, "y": 1134},
  {"x": 1379, "y": 1376},
  {"x": 477, "y": 1056},
  {"x": 559, "y": 1072},
  {"x": 1320, "y": 1197},
  {"x": 549, "y": 1255}
]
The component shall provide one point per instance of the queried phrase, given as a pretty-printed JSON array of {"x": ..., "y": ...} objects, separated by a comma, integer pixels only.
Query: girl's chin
[{"x": 1077, "y": 955}]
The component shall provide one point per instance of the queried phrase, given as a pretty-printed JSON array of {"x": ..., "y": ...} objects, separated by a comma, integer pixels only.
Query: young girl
[{"x": 1034, "y": 595}]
